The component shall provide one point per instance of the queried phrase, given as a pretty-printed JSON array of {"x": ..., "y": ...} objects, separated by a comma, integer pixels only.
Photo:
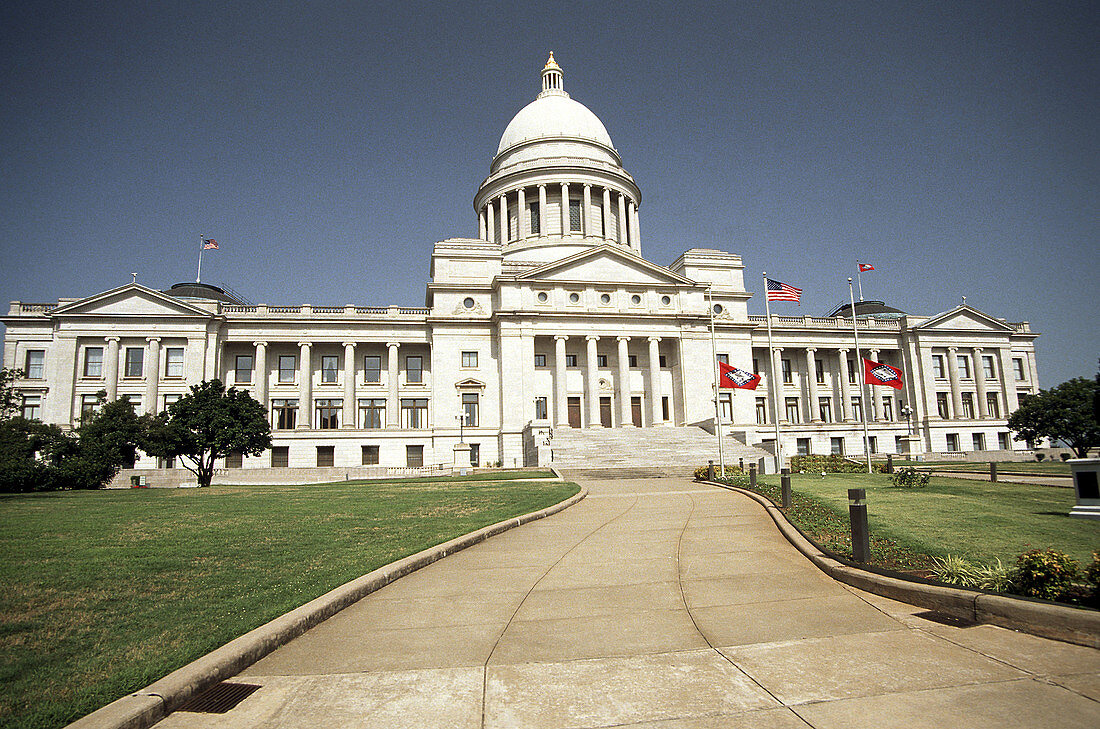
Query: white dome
[{"x": 554, "y": 116}]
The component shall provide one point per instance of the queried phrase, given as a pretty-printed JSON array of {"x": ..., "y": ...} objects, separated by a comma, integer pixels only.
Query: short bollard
[
  {"x": 710, "y": 470},
  {"x": 785, "y": 487},
  {"x": 741, "y": 463},
  {"x": 857, "y": 511},
  {"x": 889, "y": 463},
  {"x": 752, "y": 475},
  {"x": 993, "y": 471}
]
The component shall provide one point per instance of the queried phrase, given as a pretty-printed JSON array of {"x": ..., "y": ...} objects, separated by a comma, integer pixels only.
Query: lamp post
[
  {"x": 461, "y": 418},
  {"x": 907, "y": 413}
]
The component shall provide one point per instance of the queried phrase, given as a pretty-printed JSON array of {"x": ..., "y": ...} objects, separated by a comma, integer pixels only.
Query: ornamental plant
[
  {"x": 910, "y": 477},
  {"x": 1047, "y": 574}
]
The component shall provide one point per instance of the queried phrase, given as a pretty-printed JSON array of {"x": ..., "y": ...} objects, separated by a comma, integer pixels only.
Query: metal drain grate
[
  {"x": 945, "y": 619},
  {"x": 219, "y": 699}
]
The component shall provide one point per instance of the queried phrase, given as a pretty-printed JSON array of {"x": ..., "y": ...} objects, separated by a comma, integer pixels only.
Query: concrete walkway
[{"x": 653, "y": 603}]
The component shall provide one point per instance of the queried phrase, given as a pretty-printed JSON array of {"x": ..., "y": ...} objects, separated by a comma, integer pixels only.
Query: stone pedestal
[
  {"x": 912, "y": 445},
  {"x": 1086, "y": 486},
  {"x": 462, "y": 459}
]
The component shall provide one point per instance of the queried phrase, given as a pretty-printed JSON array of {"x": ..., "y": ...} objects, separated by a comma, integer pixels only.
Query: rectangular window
[
  {"x": 993, "y": 404},
  {"x": 328, "y": 413},
  {"x": 540, "y": 408},
  {"x": 857, "y": 407},
  {"x": 1002, "y": 442},
  {"x": 937, "y": 367},
  {"x": 284, "y": 414},
  {"x": 169, "y": 399},
  {"x": 803, "y": 446},
  {"x": 988, "y": 367},
  {"x": 36, "y": 364},
  {"x": 570, "y": 360},
  {"x": 851, "y": 372},
  {"x": 370, "y": 455},
  {"x": 942, "y": 407},
  {"x": 725, "y": 406},
  {"x": 601, "y": 360},
  {"x": 372, "y": 369},
  {"x": 761, "y": 410},
  {"x": 88, "y": 404},
  {"x": 469, "y": 409},
  {"x": 372, "y": 413},
  {"x": 1018, "y": 366},
  {"x": 755, "y": 366},
  {"x": 288, "y": 367},
  {"x": 414, "y": 370},
  {"x": 414, "y": 456},
  {"x": 326, "y": 456},
  {"x": 242, "y": 370},
  {"x": 173, "y": 362},
  {"x": 665, "y": 409},
  {"x": 135, "y": 361},
  {"x": 475, "y": 453},
  {"x": 979, "y": 441},
  {"x": 785, "y": 366},
  {"x": 574, "y": 216},
  {"x": 968, "y": 405},
  {"x": 280, "y": 456},
  {"x": 540, "y": 360},
  {"x": 825, "y": 409},
  {"x": 953, "y": 442},
  {"x": 791, "y": 407},
  {"x": 964, "y": 365},
  {"x": 887, "y": 408},
  {"x": 234, "y": 460},
  {"x": 93, "y": 362},
  {"x": 661, "y": 361},
  {"x": 872, "y": 444},
  {"x": 135, "y": 402},
  {"x": 414, "y": 413},
  {"x": 536, "y": 223},
  {"x": 836, "y": 446},
  {"x": 819, "y": 368},
  {"x": 329, "y": 367},
  {"x": 632, "y": 361},
  {"x": 469, "y": 359},
  {"x": 724, "y": 358},
  {"x": 899, "y": 444},
  {"x": 32, "y": 407}
]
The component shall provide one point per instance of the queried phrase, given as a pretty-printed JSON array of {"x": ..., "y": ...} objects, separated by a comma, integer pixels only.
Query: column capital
[
  {"x": 592, "y": 337},
  {"x": 542, "y": 185},
  {"x": 350, "y": 344},
  {"x": 777, "y": 350},
  {"x": 152, "y": 339},
  {"x": 560, "y": 337},
  {"x": 259, "y": 344},
  {"x": 587, "y": 185},
  {"x": 305, "y": 344},
  {"x": 952, "y": 349},
  {"x": 844, "y": 351},
  {"x": 622, "y": 338},
  {"x": 653, "y": 339},
  {"x": 811, "y": 350},
  {"x": 393, "y": 345},
  {"x": 978, "y": 350},
  {"x": 503, "y": 195},
  {"x": 110, "y": 339}
]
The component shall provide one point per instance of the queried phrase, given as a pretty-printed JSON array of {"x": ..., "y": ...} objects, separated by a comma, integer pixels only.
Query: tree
[
  {"x": 209, "y": 423},
  {"x": 107, "y": 440},
  {"x": 9, "y": 398},
  {"x": 28, "y": 451},
  {"x": 1064, "y": 413}
]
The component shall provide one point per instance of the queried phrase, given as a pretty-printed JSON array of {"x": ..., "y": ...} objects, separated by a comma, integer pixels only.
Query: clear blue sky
[{"x": 327, "y": 146}]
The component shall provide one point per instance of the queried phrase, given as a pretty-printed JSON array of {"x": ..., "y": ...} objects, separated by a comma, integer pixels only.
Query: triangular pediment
[
  {"x": 966, "y": 318},
  {"x": 470, "y": 384},
  {"x": 606, "y": 264},
  {"x": 131, "y": 300}
]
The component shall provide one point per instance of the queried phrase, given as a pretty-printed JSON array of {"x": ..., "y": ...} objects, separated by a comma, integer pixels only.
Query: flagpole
[
  {"x": 863, "y": 405},
  {"x": 198, "y": 272},
  {"x": 859, "y": 279},
  {"x": 774, "y": 383},
  {"x": 717, "y": 409}
]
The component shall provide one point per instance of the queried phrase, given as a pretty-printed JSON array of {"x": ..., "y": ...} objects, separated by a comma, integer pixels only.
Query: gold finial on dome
[
  {"x": 552, "y": 78},
  {"x": 551, "y": 64}
]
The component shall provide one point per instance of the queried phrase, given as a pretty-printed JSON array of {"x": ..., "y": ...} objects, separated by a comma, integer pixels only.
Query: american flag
[
  {"x": 208, "y": 243},
  {"x": 779, "y": 291}
]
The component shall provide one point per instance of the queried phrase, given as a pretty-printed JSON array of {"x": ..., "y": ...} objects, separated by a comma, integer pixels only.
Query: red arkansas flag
[
  {"x": 877, "y": 373},
  {"x": 866, "y": 267},
  {"x": 730, "y": 376}
]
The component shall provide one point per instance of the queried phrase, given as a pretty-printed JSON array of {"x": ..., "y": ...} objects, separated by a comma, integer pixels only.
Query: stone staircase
[{"x": 639, "y": 452}]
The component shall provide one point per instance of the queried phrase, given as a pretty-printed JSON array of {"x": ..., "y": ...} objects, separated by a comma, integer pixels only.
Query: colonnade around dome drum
[{"x": 538, "y": 211}]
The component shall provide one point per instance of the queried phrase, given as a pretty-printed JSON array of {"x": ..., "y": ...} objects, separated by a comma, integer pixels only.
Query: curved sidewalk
[{"x": 653, "y": 603}]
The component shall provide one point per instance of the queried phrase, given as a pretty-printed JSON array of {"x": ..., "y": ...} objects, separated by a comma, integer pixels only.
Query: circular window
[
  {"x": 542, "y": 296},
  {"x": 665, "y": 300},
  {"x": 635, "y": 299},
  {"x": 574, "y": 298},
  {"x": 468, "y": 302},
  {"x": 717, "y": 308},
  {"x": 605, "y": 298}
]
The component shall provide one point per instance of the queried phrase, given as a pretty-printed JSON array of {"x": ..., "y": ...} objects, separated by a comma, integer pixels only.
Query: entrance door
[
  {"x": 574, "y": 412},
  {"x": 605, "y": 412},
  {"x": 636, "y": 411}
]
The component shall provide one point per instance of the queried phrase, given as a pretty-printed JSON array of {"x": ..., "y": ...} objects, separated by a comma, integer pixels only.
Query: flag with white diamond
[
  {"x": 730, "y": 376},
  {"x": 877, "y": 373}
]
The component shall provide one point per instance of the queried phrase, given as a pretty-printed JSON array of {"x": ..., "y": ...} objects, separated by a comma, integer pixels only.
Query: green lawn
[
  {"x": 1037, "y": 468},
  {"x": 978, "y": 520},
  {"x": 103, "y": 592}
]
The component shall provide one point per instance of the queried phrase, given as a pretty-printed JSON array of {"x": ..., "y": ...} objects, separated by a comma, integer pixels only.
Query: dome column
[
  {"x": 622, "y": 221},
  {"x": 504, "y": 218},
  {"x": 481, "y": 224},
  {"x": 606, "y": 214},
  {"x": 490, "y": 222},
  {"x": 635, "y": 237},
  {"x": 542, "y": 210},
  {"x": 587, "y": 214},
  {"x": 564, "y": 209},
  {"x": 521, "y": 215}
]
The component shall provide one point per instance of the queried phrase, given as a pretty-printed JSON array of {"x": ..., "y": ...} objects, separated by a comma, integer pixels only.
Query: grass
[
  {"x": 103, "y": 592},
  {"x": 978, "y": 520},
  {"x": 1028, "y": 468}
]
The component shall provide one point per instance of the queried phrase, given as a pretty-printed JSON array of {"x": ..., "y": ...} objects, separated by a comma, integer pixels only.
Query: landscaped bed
[
  {"x": 1029, "y": 468},
  {"x": 103, "y": 592}
]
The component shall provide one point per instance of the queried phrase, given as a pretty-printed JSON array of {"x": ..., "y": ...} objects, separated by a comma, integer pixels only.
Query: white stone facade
[{"x": 551, "y": 318}]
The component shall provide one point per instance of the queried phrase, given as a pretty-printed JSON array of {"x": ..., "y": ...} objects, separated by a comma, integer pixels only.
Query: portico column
[
  {"x": 542, "y": 211},
  {"x": 481, "y": 224},
  {"x": 1008, "y": 381},
  {"x": 979, "y": 383},
  {"x": 561, "y": 409},
  {"x": 490, "y": 225},
  {"x": 606, "y": 214},
  {"x": 586, "y": 215},
  {"x": 624, "y": 382},
  {"x": 655, "y": 381},
  {"x": 112, "y": 368},
  {"x": 565, "y": 208},
  {"x": 349, "y": 386},
  {"x": 623, "y": 227},
  {"x": 521, "y": 215},
  {"x": 261, "y": 373},
  {"x": 845, "y": 389},
  {"x": 305, "y": 386},
  {"x": 393, "y": 415},
  {"x": 632, "y": 214},
  {"x": 591, "y": 382},
  {"x": 503, "y": 219},
  {"x": 956, "y": 392},
  {"x": 876, "y": 391},
  {"x": 152, "y": 374},
  {"x": 813, "y": 411}
]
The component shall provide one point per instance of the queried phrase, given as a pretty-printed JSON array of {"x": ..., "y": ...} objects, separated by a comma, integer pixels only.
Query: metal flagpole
[
  {"x": 863, "y": 405},
  {"x": 717, "y": 410},
  {"x": 773, "y": 384},
  {"x": 859, "y": 279},
  {"x": 198, "y": 273}
]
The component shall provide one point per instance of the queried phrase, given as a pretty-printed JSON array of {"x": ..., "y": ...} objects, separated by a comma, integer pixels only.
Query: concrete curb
[
  {"x": 1049, "y": 620},
  {"x": 149, "y": 705}
]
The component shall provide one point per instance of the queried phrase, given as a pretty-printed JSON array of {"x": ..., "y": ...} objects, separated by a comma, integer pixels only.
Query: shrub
[
  {"x": 1092, "y": 574},
  {"x": 731, "y": 471},
  {"x": 1066, "y": 456},
  {"x": 1047, "y": 574},
  {"x": 954, "y": 570},
  {"x": 831, "y": 464},
  {"x": 1040, "y": 456},
  {"x": 910, "y": 477}
]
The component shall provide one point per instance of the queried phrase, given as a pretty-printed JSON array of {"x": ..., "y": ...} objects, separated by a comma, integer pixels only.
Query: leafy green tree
[
  {"x": 9, "y": 398},
  {"x": 209, "y": 423},
  {"x": 1064, "y": 413},
  {"x": 28, "y": 451},
  {"x": 107, "y": 440}
]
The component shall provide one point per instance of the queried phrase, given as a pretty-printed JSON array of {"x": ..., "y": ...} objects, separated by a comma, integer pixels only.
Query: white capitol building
[{"x": 548, "y": 336}]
